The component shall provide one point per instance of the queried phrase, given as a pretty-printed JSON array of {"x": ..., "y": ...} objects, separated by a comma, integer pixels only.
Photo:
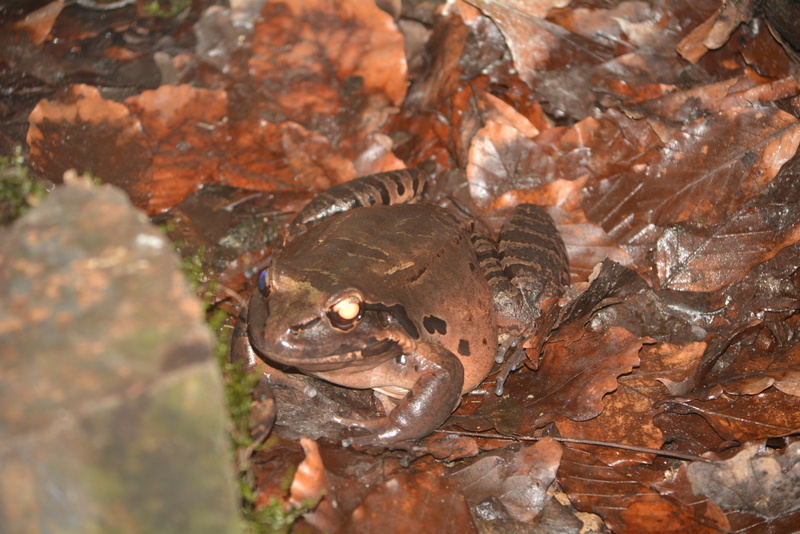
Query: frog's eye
[
  {"x": 346, "y": 311},
  {"x": 263, "y": 283}
]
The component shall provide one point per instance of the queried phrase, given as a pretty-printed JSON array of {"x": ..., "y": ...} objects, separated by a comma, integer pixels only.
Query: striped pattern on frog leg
[
  {"x": 392, "y": 187},
  {"x": 533, "y": 254},
  {"x": 511, "y": 306},
  {"x": 534, "y": 258}
]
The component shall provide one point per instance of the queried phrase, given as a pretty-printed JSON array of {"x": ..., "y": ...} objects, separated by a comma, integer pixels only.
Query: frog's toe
[
  {"x": 347, "y": 421},
  {"x": 385, "y": 437}
]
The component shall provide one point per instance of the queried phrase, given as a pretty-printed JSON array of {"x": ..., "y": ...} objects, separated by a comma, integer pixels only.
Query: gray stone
[{"x": 112, "y": 413}]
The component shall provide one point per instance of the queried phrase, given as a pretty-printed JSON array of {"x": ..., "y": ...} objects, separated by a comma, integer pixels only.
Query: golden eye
[{"x": 346, "y": 311}]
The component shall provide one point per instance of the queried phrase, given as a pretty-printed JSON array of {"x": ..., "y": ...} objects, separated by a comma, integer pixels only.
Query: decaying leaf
[
  {"x": 310, "y": 487},
  {"x": 37, "y": 25},
  {"x": 404, "y": 502},
  {"x": 752, "y": 373},
  {"x": 538, "y": 45},
  {"x": 756, "y": 480},
  {"x": 698, "y": 257},
  {"x": 178, "y": 122},
  {"x": 519, "y": 480},
  {"x": 713, "y": 33},
  {"x": 347, "y": 65}
]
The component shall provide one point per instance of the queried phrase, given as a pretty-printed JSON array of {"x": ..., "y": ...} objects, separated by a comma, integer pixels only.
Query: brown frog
[{"x": 370, "y": 290}]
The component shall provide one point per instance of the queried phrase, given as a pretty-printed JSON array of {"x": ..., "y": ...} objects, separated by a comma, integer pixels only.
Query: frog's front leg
[{"x": 433, "y": 377}]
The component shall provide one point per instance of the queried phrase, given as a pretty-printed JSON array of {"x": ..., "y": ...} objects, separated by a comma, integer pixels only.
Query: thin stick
[{"x": 612, "y": 444}]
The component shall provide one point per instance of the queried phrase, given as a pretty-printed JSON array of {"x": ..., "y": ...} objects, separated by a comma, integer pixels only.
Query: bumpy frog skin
[{"x": 369, "y": 290}]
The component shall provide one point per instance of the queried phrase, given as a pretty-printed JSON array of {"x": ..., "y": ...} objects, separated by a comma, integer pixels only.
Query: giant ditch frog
[{"x": 372, "y": 290}]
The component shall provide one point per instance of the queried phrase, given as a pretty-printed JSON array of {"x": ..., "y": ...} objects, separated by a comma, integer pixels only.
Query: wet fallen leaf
[
  {"x": 310, "y": 487},
  {"x": 346, "y": 61},
  {"x": 404, "y": 503},
  {"x": 625, "y": 504},
  {"x": 751, "y": 373},
  {"x": 39, "y": 23},
  {"x": 697, "y": 257},
  {"x": 577, "y": 361},
  {"x": 758, "y": 142},
  {"x": 178, "y": 122},
  {"x": 771, "y": 413},
  {"x": 88, "y": 133},
  {"x": 715, "y": 31}
]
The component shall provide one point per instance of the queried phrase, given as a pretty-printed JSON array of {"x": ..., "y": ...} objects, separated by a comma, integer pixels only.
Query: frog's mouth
[
  {"x": 367, "y": 357},
  {"x": 317, "y": 345}
]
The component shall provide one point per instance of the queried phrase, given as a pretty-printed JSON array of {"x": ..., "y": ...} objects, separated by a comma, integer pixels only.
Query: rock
[{"x": 112, "y": 414}]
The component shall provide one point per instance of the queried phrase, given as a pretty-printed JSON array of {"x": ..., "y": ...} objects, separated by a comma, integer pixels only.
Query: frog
[{"x": 369, "y": 288}]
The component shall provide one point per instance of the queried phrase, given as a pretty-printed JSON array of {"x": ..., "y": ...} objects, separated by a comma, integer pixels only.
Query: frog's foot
[
  {"x": 263, "y": 412},
  {"x": 431, "y": 399},
  {"x": 514, "y": 357}
]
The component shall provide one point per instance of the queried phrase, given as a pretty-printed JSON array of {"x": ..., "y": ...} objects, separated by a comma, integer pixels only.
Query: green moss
[
  {"x": 275, "y": 518},
  {"x": 18, "y": 192},
  {"x": 173, "y": 9}
]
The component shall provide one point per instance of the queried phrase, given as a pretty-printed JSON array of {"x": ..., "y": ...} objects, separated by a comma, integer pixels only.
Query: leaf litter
[{"x": 662, "y": 137}]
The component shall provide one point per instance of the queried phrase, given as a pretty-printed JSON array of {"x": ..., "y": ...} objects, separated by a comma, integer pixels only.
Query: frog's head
[{"x": 315, "y": 322}]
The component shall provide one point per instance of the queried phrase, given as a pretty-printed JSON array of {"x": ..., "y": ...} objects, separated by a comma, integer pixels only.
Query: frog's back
[{"x": 411, "y": 257}]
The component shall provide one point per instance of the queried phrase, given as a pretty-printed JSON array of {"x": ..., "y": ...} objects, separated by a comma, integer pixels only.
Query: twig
[{"x": 647, "y": 450}]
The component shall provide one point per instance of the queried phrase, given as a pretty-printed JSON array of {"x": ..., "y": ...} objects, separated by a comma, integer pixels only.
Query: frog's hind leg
[
  {"x": 533, "y": 260},
  {"x": 532, "y": 254}
]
